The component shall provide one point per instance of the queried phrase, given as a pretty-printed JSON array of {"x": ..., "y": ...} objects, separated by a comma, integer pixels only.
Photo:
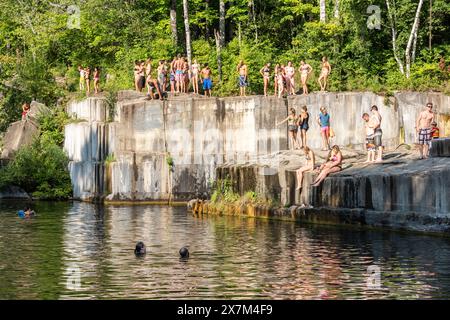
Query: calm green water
[{"x": 230, "y": 257}]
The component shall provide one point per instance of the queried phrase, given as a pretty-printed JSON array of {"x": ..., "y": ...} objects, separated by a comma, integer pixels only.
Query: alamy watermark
[
  {"x": 374, "y": 20},
  {"x": 373, "y": 277},
  {"x": 73, "y": 281}
]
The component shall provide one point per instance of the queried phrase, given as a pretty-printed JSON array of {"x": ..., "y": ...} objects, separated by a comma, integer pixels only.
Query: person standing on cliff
[
  {"x": 243, "y": 73},
  {"x": 323, "y": 119},
  {"x": 292, "y": 121},
  {"x": 370, "y": 143},
  {"x": 423, "y": 128},
  {"x": 378, "y": 133},
  {"x": 206, "y": 79},
  {"x": 290, "y": 82}
]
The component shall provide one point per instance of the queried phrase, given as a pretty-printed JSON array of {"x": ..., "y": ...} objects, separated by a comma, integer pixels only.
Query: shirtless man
[
  {"x": 243, "y": 72},
  {"x": 162, "y": 75},
  {"x": 289, "y": 75},
  {"x": 207, "y": 82},
  {"x": 178, "y": 67},
  {"x": 378, "y": 133},
  {"x": 423, "y": 128}
]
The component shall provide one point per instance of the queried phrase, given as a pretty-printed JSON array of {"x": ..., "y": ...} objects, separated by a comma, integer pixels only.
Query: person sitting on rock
[
  {"x": 434, "y": 130},
  {"x": 25, "y": 110},
  {"x": 334, "y": 164},
  {"x": 310, "y": 163}
]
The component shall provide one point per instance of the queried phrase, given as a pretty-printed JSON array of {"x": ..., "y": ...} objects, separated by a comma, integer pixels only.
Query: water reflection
[{"x": 231, "y": 257}]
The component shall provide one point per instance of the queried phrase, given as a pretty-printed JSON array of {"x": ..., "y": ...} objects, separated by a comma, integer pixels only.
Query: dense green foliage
[
  {"x": 40, "y": 49},
  {"x": 41, "y": 169}
]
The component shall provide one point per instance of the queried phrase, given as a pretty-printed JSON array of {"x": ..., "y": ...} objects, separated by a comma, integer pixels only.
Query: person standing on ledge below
[
  {"x": 323, "y": 119},
  {"x": 326, "y": 70},
  {"x": 25, "y": 110},
  {"x": 265, "y": 72},
  {"x": 289, "y": 76},
  {"x": 243, "y": 72},
  {"x": 370, "y": 143},
  {"x": 207, "y": 82},
  {"x": 434, "y": 131},
  {"x": 305, "y": 69},
  {"x": 310, "y": 164},
  {"x": 423, "y": 128},
  {"x": 303, "y": 124},
  {"x": 334, "y": 164},
  {"x": 292, "y": 127},
  {"x": 378, "y": 133}
]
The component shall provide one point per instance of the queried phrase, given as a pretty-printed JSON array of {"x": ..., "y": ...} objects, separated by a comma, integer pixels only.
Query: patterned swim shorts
[{"x": 425, "y": 136}]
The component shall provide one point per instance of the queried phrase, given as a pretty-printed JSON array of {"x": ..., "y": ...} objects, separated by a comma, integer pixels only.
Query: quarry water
[{"x": 83, "y": 251}]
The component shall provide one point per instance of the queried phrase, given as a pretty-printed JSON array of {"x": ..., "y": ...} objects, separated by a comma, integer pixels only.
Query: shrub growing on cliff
[{"x": 40, "y": 169}]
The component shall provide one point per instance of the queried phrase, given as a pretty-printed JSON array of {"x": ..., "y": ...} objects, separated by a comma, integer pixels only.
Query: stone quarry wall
[{"x": 207, "y": 135}]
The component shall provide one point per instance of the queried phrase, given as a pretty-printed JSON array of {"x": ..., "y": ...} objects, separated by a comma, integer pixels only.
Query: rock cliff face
[{"x": 128, "y": 158}]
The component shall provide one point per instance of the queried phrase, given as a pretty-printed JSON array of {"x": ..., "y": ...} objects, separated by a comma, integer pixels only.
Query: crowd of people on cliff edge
[
  {"x": 176, "y": 76},
  {"x": 425, "y": 127}
]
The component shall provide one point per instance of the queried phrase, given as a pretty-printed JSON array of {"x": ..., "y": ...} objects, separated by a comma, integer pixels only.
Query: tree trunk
[
  {"x": 219, "y": 53},
  {"x": 336, "y": 9},
  {"x": 222, "y": 22},
  {"x": 188, "y": 32},
  {"x": 323, "y": 14},
  {"x": 207, "y": 33},
  {"x": 412, "y": 39},
  {"x": 173, "y": 21},
  {"x": 430, "y": 27},
  {"x": 392, "y": 20}
]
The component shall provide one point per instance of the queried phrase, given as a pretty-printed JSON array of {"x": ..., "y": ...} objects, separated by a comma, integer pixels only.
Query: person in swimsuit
[
  {"x": 292, "y": 127},
  {"x": 172, "y": 78},
  {"x": 186, "y": 75},
  {"x": 162, "y": 75},
  {"x": 275, "y": 79},
  {"x": 136, "y": 74},
  {"x": 148, "y": 76},
  {"x": 178, "y": 67},
  {"x": 206, "y": 79},
  {"x": 289, "y": 77},
  {"x": 243, "y": 72},
  {"x": 265, "y": 72},
  {"x": 195, "y": 70},
  {"x": 281, "y": 81},
  {"x": 87, "y": 77},
  {"x": 423, "y": 128},
  {"x": 96, "y": 80},
  {"x": 370, "y": 143},
  {"x": 82, "y": 78},
  {"x": 303, "y": 124},
  {"x": 323, "y": 119},
  {"x": 378, "y": 133},
  {"x": 326, "y": 69},
  {"x": 305, "y": 69},
  {"x": 25, "y": 110},
  {"x": 310, "y": 165},
  {"x": 334, "y": 164}
]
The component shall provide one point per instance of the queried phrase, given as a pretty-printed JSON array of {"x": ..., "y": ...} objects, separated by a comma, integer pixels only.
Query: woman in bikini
[
  {"x": 334, "y": 164},
  {"x": 305, "y": 69},
  {"x": 326, "y": 69},
  {"x": 310, "y": 164},
  {"x": 148, "y": 75},
  {"x": 195, "y": 70},
  {"x": 303, "y": 124},
  {"x": 292, "y": 127},
  {"x": 275, "y": 78},
  {"x": 265, "y": 72},
  {"x": 281, "y": 81},
  {"x": 87, "y": 77},
  {"x": 289, "y": 76},
  {"x": 96, "y": 80}
]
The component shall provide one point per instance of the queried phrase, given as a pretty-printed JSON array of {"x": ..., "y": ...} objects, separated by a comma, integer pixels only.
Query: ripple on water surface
[{"x": 231, "y": 257}]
